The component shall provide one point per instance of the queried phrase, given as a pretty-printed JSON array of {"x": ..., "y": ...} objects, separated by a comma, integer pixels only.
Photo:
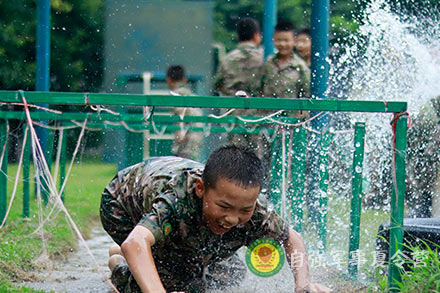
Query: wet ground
[{"x": 78, "y": 273}]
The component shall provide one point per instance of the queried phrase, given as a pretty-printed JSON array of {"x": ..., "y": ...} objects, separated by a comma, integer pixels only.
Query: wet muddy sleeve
[
  {"x": 160, "y": 221},
  {"x": 267, "y": 224}
]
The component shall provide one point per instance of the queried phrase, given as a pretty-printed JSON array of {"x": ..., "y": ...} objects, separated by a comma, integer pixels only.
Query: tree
[{"x": 76, "y": 45}]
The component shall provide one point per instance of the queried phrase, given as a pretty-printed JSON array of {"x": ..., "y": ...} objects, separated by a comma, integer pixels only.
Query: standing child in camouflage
[
  {"x": 186, "y": 143},
  {"x": 303, "y": 45},
  {"x": 240, "y": 68},
  {"x": 175, "y": 220},
  {"x": 285, "y": 74}
]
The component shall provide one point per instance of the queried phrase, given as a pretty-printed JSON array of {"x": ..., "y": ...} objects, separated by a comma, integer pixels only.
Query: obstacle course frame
[{"x": 399, "y": 125}]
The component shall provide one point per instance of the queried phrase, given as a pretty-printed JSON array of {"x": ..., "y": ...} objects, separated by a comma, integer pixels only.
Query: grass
[
  {"x": 19, "y": 249},
  {"x": 424, "y": 264}
]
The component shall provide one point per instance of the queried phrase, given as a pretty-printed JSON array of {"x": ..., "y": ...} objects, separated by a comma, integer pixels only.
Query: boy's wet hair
[
  {"x": 176, "y": 72},
  {"x": 235, "y": 163},
  {"x": 284, "y": 26},
  {"x": 246, "y": 28}
]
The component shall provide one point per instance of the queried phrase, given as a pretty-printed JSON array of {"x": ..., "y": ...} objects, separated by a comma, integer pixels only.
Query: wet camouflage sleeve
[
  {"x": 138, "y": 194},
  {"x": 160, "y": 221},
  {"x": 266, "y": 223}
]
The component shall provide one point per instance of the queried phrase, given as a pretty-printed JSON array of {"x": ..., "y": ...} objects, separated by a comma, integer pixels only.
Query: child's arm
[
  {"x": 297, "y": 257},
  {"x": 137, "y": 251}
]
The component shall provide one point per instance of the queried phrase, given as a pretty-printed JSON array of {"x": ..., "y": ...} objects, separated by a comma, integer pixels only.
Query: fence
[{"x": 136, "y": 122}]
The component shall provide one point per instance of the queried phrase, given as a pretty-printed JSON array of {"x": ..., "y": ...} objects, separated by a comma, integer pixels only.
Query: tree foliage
[
  {"x": 76, "y": 44},
  {"x": 228, "y": 13},
  {"x": 77, "y": 38}
]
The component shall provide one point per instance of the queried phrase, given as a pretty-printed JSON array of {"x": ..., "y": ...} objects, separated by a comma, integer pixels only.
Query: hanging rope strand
[{"x": 16, "y": 177}]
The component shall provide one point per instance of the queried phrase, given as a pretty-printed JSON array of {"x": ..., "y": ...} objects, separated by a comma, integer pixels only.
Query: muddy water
[{"x": 78, "y": 273}]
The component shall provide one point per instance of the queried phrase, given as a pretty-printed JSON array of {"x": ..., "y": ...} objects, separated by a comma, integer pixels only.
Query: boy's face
[
  {"x": 227, "y": 205},
  {"x": 303, "y": 45},
  {"x": 284, "y": 42}
]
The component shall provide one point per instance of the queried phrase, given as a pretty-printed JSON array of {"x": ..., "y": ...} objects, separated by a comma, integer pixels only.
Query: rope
[
  {"x": 58, "y": 197},
  {"x": 53, "y": 127},
  {"x": 283, "y": 187},
  {"x": 65, "y": 179},
  {"x": 20, "y": 163},
  {"x": 33, "y": 106},
  {"x": 223, "y": 115},
  {"x": 100, "y": 108},
  {"x": 396, "y": 117}
]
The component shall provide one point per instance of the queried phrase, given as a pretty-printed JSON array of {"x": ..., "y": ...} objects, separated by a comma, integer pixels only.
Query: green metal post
[
  {"x": 296, "y": 188},
  {"x": 323, "y": 187},
  {"x": 269, "y": 22},
  {"x": 63, "y": 157},
  {"x": 134, "y": 151},
  {"x": 26, "y": 176},
  {"x": 397, "y": 199},
  {"x": 3, "y": 167},
  {"x": 48, "y": 152},
  {"x": 356, "y": 191}
]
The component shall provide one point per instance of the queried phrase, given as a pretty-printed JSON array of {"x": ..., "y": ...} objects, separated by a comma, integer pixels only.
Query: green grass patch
[
  {"x": 19, "y": 248},
  {"x": 6, "y": 287}
]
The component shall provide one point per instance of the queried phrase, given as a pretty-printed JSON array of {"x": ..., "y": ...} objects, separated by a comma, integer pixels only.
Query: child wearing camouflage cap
[{"x": 176, "y": 219}]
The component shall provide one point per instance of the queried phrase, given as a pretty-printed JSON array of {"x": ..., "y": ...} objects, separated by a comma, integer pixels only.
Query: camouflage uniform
[
  {"x": 239, "y": 70},
  {"x": 289, "y": 81},
  {"x": 187, "y": 144},
  {"x": 159, "y": 194}
]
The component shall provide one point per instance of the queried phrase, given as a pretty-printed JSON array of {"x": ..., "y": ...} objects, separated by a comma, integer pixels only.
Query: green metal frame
[
  {"x": 61, "y": 98},
  {"x": 3, "y": 167},
  {"x": 399, "y": 140},
  {"x": 356, "y": 191}
]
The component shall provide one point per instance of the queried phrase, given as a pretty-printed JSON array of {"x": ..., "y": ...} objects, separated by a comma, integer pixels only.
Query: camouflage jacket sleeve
[
  {"x": 160, "y": 220},
  {"x": 266, "y": 223}
]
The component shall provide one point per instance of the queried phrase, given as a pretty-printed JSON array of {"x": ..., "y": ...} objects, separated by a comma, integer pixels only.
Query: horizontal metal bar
[
  {"x": 173, "y": 128},
  {"x": 202, "y": 101},
  {"x": 66, "y": 116}
]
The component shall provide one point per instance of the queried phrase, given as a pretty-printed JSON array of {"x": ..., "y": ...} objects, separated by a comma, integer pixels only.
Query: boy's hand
[{"x": 313, "y": 287}]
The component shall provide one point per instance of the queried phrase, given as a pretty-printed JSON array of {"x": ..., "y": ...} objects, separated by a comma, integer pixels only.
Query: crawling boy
[{"x": 176, "y": 219}]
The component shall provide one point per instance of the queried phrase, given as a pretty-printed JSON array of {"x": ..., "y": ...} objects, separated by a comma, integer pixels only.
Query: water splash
[{"x": 394, "y": 56}]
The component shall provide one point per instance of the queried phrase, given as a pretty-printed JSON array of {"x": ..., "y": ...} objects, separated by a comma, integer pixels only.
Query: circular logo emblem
[
  {"x": 265, "y": 257},
  {"x": 166, "y": 228}
]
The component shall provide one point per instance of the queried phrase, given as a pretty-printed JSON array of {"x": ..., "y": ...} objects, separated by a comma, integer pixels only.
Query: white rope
[
  {"x": 207, "y": 130},
  {"x": 33, "y": 106},
  {"x": 283, "y": 169},
  {"x": 65, "y": 179},
  {"x": 260, "y": 119},
  {"x": 16, "y": 178},
  {"x": 58, "y": 197},
  {"x": 223, "y": 115},
  {"x": 57, "y": 160},
  {"x": 156, "y": 131},
  {"x": 100, "y": 108},
  {"x": 53, "y": 127}
]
